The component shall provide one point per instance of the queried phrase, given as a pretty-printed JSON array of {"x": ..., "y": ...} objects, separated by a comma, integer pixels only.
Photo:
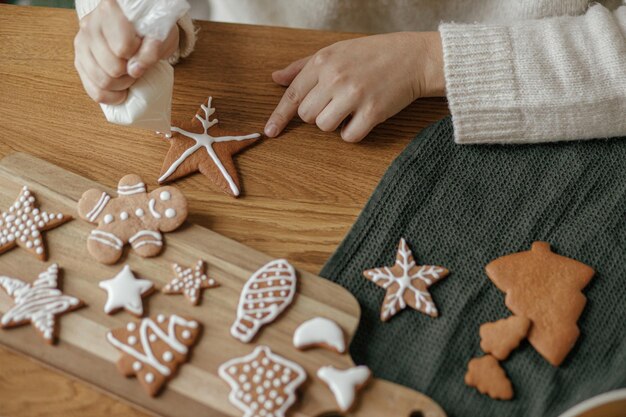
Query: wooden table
[{"x": 301, "y": 191}]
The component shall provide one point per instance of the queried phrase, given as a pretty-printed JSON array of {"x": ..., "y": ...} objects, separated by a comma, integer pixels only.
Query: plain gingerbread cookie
[
  {"x": 500, "y": 338},
  {"x": 487, "y": 376},
  {"x": 134, "y": 217}
]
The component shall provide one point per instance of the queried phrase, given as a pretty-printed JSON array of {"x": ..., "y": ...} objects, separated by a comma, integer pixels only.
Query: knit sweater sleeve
[
  {"x": 187, "y": 30},
  {"x": 553, "y": 79}
]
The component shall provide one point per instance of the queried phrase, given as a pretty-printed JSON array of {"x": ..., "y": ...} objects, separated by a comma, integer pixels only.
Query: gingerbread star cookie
[
  {"x": 38, "y": 303},
  {"x": 124, "y": 291},
  {"x": 406, "y": 284},
  {"x": 193, "y": 148},
  {"x": 190, "y": 282},
  {"x": 23, "y": 224},
  {"x": 547, "y": 289}
]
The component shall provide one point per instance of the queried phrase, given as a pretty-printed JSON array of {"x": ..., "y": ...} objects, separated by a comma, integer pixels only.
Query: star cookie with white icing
[
  {"x": 262, "y": 383},
  {"x": 190, "y": 282},
  {"x": 38, "y": 303},
  {"x": 22, "y": 225},
  {"x": 193, "y": 149},
  {"x": 124, "y": 291},
  {"x": 154, "y": 348},
  {"x": 406, "y": 284}
]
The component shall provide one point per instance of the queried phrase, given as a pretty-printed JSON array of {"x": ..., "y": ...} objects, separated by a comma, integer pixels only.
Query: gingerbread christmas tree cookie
[
  {"x": 487, "y": 376},
  {"x": 406, "y": 284},
  {"x": 547, "y": 289},
  {"x": 38, "y": 303},
  {"x": 154, "y": 348},
  {"x": 501, "y": 337},
  {"x": 135, "y": 217},
  {"x": 193, "y": 148},
  {"x": 23, "y": 223},
  {"x": 190, "y": 282}
]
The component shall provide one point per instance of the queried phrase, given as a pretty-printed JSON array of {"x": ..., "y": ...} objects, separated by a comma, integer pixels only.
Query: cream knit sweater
[{"x": 529, "y": 71}]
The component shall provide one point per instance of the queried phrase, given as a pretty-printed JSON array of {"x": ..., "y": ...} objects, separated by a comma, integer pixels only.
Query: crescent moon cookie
[
  {"x": 22, "y": 225},
  {"x": 267, "y": 293},
  {"x": 344, "y": 384},
  {"x": 190, "y": 282},
  {"x": 263, "y": 384},
  {"x": 193, "y": 149},
  {"x": 133, "y": 217},
  {"x": 154, "y": 348},
  {"x": 38, "y": 303},
  {"x": 406, "y": 284},
  {"x": 319, "y": 332},
  {"x": 124, "y": 291}
]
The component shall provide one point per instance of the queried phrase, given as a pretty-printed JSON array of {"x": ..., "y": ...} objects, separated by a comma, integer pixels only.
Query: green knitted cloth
[{"x": 463, "y": 206}]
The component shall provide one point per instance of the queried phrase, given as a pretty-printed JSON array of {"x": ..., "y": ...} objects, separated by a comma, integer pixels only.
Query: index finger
[{"x": 289, "y": 103}]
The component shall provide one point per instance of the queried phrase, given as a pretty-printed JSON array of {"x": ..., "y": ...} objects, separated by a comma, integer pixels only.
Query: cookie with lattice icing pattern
[{"x": 134, "y": 217}]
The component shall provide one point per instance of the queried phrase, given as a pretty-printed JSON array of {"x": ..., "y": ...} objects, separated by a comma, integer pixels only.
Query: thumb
[{"x": 146, "y": 57}]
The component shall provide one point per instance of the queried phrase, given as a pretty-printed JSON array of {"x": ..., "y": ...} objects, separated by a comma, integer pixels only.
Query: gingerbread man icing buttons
[
  {"x": 263, "y": 384},
  {"x": 193, "y": 149},
  {"x": 134, "y": 217},
  {"x": 154, "y": 348},
  {"x": 406, "y": 284},
  {"x": 547, "y": 289},
  {"x": 124, "y": 291},
  {"x": 344, "y": 383},
  {"x": 22, "y": 225},
  {"x": 38, "y": 303},
  {"x": 190, "y": 282}
]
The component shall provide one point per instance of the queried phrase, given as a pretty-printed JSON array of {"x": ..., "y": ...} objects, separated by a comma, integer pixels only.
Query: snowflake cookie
[
  {"x": 134, "y": 217},
  {"x": 193, "y": 149},
  {"x": 23, "y": 223},
  {"x": 190, "y": 282},
  {"x": 124, "y": 291},
  {"x": 267, "y": 293},
  {"x": 263, "y": 384},
  {"x": 38, "y": 303},
  {"x": 154, "y": 348},
  {"x": 406, "y": 284},
  {"x": 344, "y": 384}
]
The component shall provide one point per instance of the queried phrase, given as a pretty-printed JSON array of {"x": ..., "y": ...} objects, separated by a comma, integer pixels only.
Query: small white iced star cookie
[{"x": 126, "y": 292}]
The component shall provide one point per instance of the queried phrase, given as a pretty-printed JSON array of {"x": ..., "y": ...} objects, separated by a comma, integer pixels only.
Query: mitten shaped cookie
[{"x": 134, "y": 217}]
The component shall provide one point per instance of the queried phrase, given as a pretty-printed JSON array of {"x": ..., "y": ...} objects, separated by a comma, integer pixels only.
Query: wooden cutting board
[{"x": 197, "y": 390}]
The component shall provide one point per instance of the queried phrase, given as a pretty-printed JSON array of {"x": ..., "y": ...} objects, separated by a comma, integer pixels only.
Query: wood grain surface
[{"x": 301, "y": 191}]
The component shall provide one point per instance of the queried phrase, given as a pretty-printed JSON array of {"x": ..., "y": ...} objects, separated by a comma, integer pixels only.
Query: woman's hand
[
  {"x": 366, "y": 80},
  {"x": 110, "y": 56}
]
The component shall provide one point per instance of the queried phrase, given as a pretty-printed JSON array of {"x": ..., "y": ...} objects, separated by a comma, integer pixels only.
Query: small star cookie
[
  {"x": 190, "y": 282},
  {"x": 23, "y": 223},
  {"x": 406, "y": 284},
  {"x": 125, "y": 292}
]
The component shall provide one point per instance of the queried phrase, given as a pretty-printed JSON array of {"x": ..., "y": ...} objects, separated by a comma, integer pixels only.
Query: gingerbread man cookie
[
  {"x": 547, "y": 289},
  {"x": 193, "y": 149},
  {"x": 501, "y": 337},
  {"x": 154, "y": 348},
  {"x": 134, "y": 217}
]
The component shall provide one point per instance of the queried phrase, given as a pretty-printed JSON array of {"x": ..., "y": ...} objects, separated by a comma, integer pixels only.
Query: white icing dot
[
  {"x": 232, "y": 370},
  {"x": 168, "y": 356},
  {"x": 256, "y": 379},
  {"x": 152, "y": 338},
  {"x": 123, "y": 216},
  {"x": 165, "y": 195},
  {"x": 259, "y": 390},
  {"x": 60, "y": 216},
  {"x": 35, "y": 233},
  {"x": 149, "y": 378},
  {"x": 242, "y": 378},
  {"x": 136, "y": 366},
  {"x": 160, "y": 318},
  {"x": 39, "y": 250},
  {"x": 279, "y": 400},
  {"x": 246, "y": 368},
  {"x": 108, "y": 219},
  {"x": 139, "y": 212},
  {"x": 268, "y": 405},
  {"x": 247, "y": 398},
  {"x": 170, "y": 213},
  {"x": 246, "y": 386},
  {"x": 131, "y": 327},
  {"x": 132, "y": 340},
  {"x": 186, "y": 334}
]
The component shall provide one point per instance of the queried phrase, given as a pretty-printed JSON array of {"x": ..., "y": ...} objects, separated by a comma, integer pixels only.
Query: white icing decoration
[
  {"x": 38, "y": 303},
  {"x": 138, "y": 188},
  {"x": 137, "y": 366},
  {"x": 250, "y": 315},
  {"x": 186, "y": 334},
  {"x": 108, "y": 219},
  {"x": 153, "y": 211},
  {"x": 106, "y": 238},
  {"x": 149, "y": 377},
  {"x": 170, "y": 213},
  {"x": 344, "y": 383},
  {"x": 168, "y": 356},
  {"x": 139, "y": 212},
  {"x": 132, "y": 340},
  {"x": 146, "y": 355},
  {"x": 165, "y": 196},
  {"x": 123, "y": 216},
  {"x": 319, "y": 331},
  {"x": 157, "y": 239},
  {"x": 189, "y": 282},
  {"x": 97, "y": 209},
  {"x": 283, "y": 398},
  {"x": 125, "y": 291},
  {"x": 206, "y": 141}
]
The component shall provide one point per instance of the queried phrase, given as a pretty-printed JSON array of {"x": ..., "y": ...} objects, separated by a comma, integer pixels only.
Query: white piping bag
[{"x": 149, "y": 101}]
